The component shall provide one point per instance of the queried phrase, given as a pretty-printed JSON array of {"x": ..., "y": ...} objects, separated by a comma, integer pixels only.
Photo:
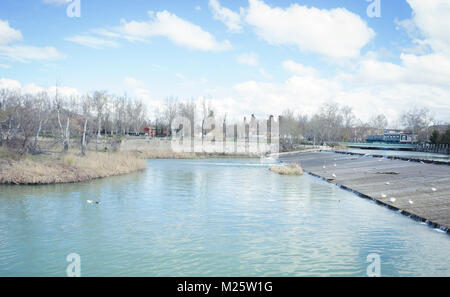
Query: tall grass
[
  {"x": 291, "y": 169},
  {"x": 68, "y": 168}
]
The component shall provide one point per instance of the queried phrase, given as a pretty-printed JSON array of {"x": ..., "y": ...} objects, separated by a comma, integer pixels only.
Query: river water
[{"x": 215, "y": 217}]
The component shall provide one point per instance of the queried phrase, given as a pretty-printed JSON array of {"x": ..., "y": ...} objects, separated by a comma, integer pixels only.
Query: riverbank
[
  {"x": 149, "y": 154},
  {"x": 72, "y": 167},
  {"x": 65, "y": 168},
  {"x": 416, "y": 189},
  {"x": 291, "y": 169}
]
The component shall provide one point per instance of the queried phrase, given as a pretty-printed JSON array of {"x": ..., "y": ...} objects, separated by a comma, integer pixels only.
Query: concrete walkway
[{"x": 418, "y": 189}]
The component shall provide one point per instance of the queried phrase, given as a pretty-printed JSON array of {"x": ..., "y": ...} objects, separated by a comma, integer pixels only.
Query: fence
[{"x": 434, "y": 148}]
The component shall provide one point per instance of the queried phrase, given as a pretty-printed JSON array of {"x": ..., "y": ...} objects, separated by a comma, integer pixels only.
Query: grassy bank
[
  {"x": 72, "y": 167},
  {"x": 65, "y": 168},
  {"x": 291, "y": 169}
]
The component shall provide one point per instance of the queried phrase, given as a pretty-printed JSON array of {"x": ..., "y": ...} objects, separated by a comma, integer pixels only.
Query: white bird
[
  {"x": 335, "y": 165},
  {"x": 334, "y": 175},
  {"x": 383, "y": 195},
  {"x": 393, "y": 199},
  {"x": 324, "y": 167},
  {"x": 433, "y": 189},
  {"x": 379, "y": 160},
  {"x": 410, "y": 201},
  {"x": 89, "y": 201},
  {"x": 388, "y": 183}
]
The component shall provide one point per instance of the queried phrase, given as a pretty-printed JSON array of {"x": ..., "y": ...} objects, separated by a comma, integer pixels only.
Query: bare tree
[
  {"x": 86, "y": 109},
  {"x": 206, "y": 113},
  {"x": 418, "y": 121},
  {"x": 187, "y": 110},
  {"x": 98, "y": 102},
  {"x": 42, "y": 105},
  {"x": 170, "y": 111},
  {"x": 379, "y": 122}
]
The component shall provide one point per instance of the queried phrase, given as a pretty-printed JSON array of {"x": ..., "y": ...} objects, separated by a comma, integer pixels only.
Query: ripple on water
[{"x": 208, "y": 217}]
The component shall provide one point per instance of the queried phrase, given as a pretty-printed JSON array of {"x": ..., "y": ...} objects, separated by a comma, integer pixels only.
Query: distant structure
[
  {"x": 440, "y": 128},
  {"x": 392, "y": 136}
]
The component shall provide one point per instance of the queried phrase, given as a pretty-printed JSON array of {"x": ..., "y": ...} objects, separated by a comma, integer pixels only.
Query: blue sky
[{"x": 234, "y": 53}]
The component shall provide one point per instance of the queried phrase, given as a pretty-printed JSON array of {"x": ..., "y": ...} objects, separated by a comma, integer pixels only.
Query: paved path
[{"x": 418, "y": 189}]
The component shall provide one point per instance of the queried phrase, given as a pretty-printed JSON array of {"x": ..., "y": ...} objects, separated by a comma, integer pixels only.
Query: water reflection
[{"x": 209, "y": 217}]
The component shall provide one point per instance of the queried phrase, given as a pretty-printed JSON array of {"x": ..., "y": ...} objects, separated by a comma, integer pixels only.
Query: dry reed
[
  {"x": 68, "y": 168},
  {"x": 291, "y": 169}
]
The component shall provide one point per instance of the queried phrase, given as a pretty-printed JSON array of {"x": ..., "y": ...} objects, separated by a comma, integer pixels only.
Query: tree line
[
  {"x": 336, "y": 123},
  {"x": 25, "y": 118},
  {"x": 440, "y": 138}
]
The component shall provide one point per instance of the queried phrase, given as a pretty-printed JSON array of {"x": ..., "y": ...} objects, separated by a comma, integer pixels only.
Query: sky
[{"x": 245, "y": 56}]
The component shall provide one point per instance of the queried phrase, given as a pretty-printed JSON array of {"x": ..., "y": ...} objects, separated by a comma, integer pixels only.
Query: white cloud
[
  {"x": 300, "y": 93},
  {"x": 305, "y": 94},
  {"x": 92, "y": 41},
  {"x": 132, "y": 82},
  {"x": 250, "y": 59},
  {"x": 56, "y": 2},
  {"x": 176, "y": 29},
  {"x": 375, "y": 87},
  {"x": 24, "y": 53},
  {"x": 9, "y": 84},
  {"x": 431, "y": 18},
  {"x": 8, "y": 34},
  {"x": 4, "y": 66},
  {"x": 336, "y": 33},
  {"x": 32, "y": 88},
  {"x": 138, "y": 89},
  {"x": 409, "y": 26},
  {"x": 189, "y": 83},
  {"x": 231, "y": 19},
  {"x": 105, "y": 33},
  {"x": 265, "y": 74},
  {"x": 299, "y": 69},
  {"x": 412, "y": 70},
  {"x": 62, "y": 91}
]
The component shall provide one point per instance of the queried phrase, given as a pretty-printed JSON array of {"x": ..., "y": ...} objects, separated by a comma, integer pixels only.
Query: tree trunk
[
  {"x": 83, "y": 142},
  {"x": 37, "y": 136},
  {"x": 98, "y": 133},
  {"x": 67, "y": 136}
]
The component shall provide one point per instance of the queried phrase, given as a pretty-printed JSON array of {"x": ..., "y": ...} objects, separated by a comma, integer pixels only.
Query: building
[{"x": 392, "y": 136}]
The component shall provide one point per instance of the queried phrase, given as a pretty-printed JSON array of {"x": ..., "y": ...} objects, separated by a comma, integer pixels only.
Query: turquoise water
[{"x": 210, "y": 218}]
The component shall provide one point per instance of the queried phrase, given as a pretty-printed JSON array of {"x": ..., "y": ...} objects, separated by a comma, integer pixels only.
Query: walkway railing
[{"x": 434, "y": 148}]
